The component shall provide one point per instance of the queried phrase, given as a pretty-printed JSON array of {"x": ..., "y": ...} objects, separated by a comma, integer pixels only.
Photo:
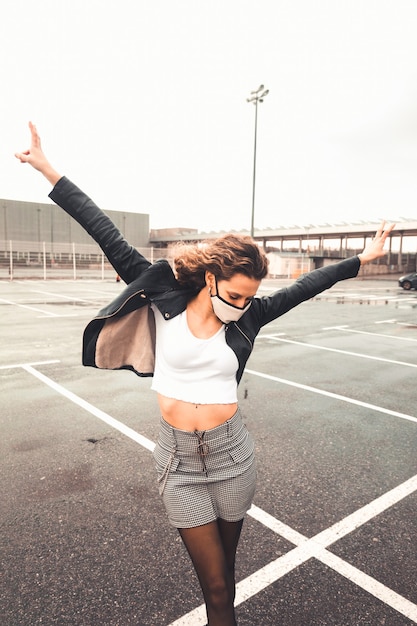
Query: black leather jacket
[{"x": 122, "y": 335}]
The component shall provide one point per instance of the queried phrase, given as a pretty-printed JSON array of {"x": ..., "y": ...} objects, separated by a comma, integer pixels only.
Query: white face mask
[{"x": 225, "y": 311}]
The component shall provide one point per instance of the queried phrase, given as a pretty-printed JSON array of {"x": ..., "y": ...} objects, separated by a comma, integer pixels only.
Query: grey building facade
[{"x": 45, "y": 222}]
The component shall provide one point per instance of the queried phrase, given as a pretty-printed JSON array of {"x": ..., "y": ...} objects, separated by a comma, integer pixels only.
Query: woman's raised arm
[
  {"x": 126, "y": 260},
  {"x": 36, "y": 158}
]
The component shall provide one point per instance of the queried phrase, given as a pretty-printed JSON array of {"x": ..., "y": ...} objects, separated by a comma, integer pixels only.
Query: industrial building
[
  {"x": 41, "y": 239},
  {"x": 37, "y": 223}
]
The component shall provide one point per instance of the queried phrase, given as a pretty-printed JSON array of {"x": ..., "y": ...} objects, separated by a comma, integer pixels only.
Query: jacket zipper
[
  {"x": 245, "y": 336},
  {"x": 102, "y": 317}
]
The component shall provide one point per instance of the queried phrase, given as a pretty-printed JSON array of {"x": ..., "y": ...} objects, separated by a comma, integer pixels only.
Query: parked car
[{"x": 409, "y": 281}]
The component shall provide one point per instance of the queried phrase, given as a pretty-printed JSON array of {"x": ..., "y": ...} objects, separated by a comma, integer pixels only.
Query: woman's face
[
  {"x": 238, "y": 290},
  {"x": 232, "y": 298}
]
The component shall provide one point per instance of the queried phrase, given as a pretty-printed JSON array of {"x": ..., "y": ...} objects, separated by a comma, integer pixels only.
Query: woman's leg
[
  {"x": 212, "y": 549},
  {"x": 230, "y": 535}
]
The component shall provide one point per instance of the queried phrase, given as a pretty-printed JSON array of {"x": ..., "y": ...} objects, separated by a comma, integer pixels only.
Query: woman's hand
[
  {"x": 36, "y": 158},
  {"x": 374, "y": 249}
]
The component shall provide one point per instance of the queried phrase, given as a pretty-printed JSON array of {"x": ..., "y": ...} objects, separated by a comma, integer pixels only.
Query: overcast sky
[{"x": 143, "y": 105}]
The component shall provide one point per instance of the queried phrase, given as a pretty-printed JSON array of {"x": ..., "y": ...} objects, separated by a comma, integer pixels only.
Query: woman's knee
[{"x": 219, "y": 593}]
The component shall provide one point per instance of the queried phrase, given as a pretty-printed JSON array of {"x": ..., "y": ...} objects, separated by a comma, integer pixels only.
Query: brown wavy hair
[{"x": 224, "y": 257}]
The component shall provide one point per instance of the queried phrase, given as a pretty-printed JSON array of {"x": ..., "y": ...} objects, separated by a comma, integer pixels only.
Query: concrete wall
[{"x": 37, "y": 222}]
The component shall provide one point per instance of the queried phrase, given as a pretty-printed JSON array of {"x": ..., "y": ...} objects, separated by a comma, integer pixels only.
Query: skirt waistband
[{"x": 185, "y": 440}]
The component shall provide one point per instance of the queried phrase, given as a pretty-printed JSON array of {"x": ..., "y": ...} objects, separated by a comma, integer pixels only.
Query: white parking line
[
  {"x": 336, "y": 396},
  {"x": 31, "y": 308},
  {"x": 312, "y": 548},
  {"x": 105, "y": 417},
  {"x": 60, "y": 295},
  {"x": 335, "y": 327},
  {"x": 22, "y": 365},
  {"x": 305, "y": 549},
  {"x": 339, "y": 351},
  {"x": 346, "y": 329}
]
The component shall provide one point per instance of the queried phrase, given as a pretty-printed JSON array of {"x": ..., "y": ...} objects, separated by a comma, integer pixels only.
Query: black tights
[{"x": 212, "y": 549}]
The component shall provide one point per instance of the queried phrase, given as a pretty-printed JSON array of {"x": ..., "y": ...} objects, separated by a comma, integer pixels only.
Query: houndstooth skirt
[{"x": 206, "y": 475}]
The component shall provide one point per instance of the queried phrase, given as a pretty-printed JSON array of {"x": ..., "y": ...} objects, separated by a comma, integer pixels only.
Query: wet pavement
[{"x": 329, "y": 395}]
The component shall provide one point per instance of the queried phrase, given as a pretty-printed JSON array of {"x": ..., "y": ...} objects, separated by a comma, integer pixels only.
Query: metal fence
[
  {"x": 51, "y": 260},
  {"x": 46, "y": 260}
]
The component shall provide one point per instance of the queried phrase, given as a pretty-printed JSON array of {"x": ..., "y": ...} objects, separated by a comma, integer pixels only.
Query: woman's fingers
[
  {"x": 382, "y": 232},
  {"x": 36, "y": 142},
  {"x": 35, "y": 147},
  {"x": 22, "y": 156}
]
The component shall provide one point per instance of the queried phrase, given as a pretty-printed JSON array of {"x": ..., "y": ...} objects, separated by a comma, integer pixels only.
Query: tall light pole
[{"x": 255, "y": 96}]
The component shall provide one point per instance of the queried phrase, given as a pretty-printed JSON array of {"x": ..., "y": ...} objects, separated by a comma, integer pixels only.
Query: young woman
[{"x": 193, "y": 330}]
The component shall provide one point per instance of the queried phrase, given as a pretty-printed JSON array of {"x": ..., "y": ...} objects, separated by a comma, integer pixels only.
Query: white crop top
[{"x": 201, "y": 371}]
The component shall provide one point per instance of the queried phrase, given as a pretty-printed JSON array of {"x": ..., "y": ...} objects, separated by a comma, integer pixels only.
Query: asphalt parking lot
[{"x": 329, "y": 394}]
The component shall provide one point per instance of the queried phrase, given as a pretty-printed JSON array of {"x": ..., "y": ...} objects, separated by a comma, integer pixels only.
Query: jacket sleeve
[
  {"x": 313, "y": 283},
  {"x": 125, "y": 259}
]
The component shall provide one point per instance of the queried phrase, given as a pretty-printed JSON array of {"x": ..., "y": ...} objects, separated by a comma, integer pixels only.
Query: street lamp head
[
  {"x": 258, "y": 90},
  {"x": 257, "y": 96}
]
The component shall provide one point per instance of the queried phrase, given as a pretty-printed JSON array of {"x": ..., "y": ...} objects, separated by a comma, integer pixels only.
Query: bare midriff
[{"x": 190, "y": 416}]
